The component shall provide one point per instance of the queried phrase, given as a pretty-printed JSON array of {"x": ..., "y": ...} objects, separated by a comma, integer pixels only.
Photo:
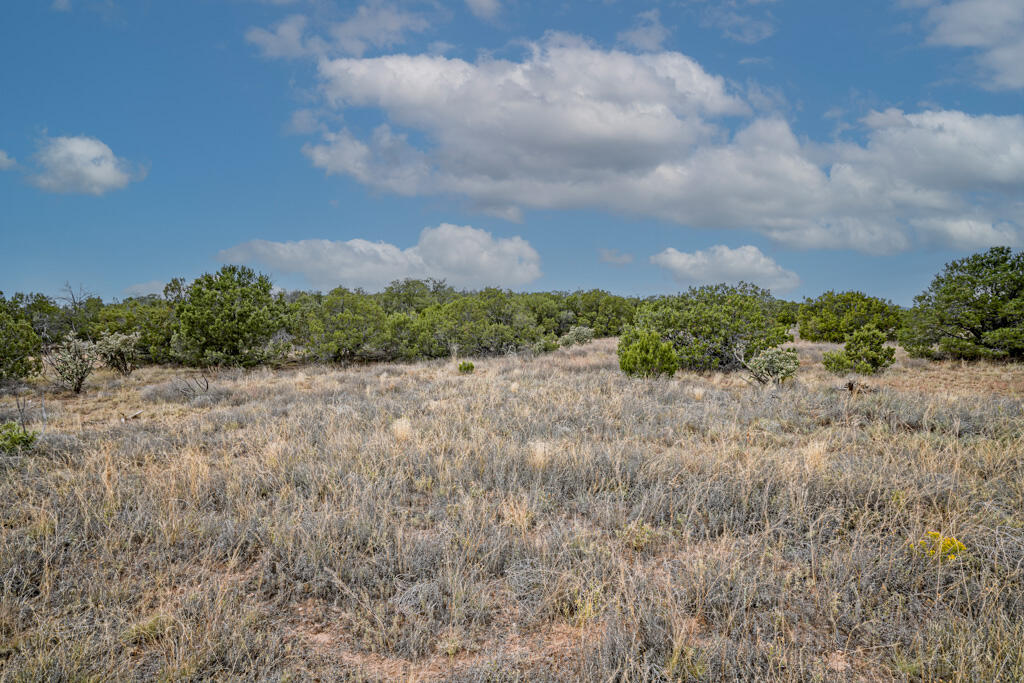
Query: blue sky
[{"x": 640, "y": 147}]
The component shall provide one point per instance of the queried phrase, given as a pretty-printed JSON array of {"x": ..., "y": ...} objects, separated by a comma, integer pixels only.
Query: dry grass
[{"x": 545, "y": 519}]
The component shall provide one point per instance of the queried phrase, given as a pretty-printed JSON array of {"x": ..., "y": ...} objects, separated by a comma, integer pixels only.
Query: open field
[{"x": 541, "y": 519}]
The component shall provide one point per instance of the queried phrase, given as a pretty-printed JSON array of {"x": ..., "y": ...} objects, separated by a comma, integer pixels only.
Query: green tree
[
  {"x": 227, "y": 318},
  {"x": 20, "y": 347},
  {"x": 833, "y": 317},
  {"x": 642, "y": 353},
  {"x": 865, "y": 353},
  {"x": 973, "y": 309},
  {"x": 716, "y": 327},
  {"x": 349, "y": 326}
]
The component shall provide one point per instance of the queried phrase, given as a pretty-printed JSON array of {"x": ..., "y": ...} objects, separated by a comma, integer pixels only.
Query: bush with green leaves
[
  {"x": 118, "y": 351},
  {"x": 73, "y": 360},
  {"x": 228, "y": 318},
  {"x": 865, "y": 353},
  {"x": 577, "y": 334},
  {"x": 20, "y": 348},
  {"x": 973, "y": 309},
  {"x": 716, "y": 327},
  {"x": 15, "y": 438},
  {"x": 347, "y": 326},
  {"x": 150, "y": 317},
  {"x": 773, "y": 366},
  {"x": 832, "y": 317},
  {"x": 466, "y": 367},
  {"x": 643, "y": 353}
]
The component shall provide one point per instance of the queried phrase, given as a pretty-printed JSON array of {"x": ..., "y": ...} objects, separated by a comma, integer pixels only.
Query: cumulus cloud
[
  {"x": 6, "y": 162},
  {"x": 648, "y": 33},
  {"x": 462, "y": 255},
  {"x": 993, "y": 28},
  {"x": 616, "y": 257},
  {"x": 82, "y": 165},
  {"x": 654, "y": 134},
  {"x": 723, "y": 264},
  {"x": 376, "y": 24},
  {"x": 484, "y": 9}
]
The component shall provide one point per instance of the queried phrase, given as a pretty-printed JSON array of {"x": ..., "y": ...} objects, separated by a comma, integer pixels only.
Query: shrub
[
  {"x": 348, "y": 326},
  {"x": 14, "y": 437},
  {"x": 20, "y": 348},
  {"x": 577, "y": 334},
  {"x": 118, "y": 351},
  {"x": 73, "y": 361},
  {"x": 833, "y": 317},
  {"x": 717, "y": 327},
  {"x": 466, "y": 367},
  {"x": 773, "y": 366},
  {"x": 228, "y": 318},
  {"x": 865, "y": 353},
  {"x": 642, "y": 353},
  {"x": 973, "y": 309}
]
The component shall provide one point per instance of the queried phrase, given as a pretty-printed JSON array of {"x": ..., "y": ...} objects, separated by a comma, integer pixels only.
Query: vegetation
[
  {"x": 833, "y": 317},
  {"x": 118, "y": 351},
  {"x": 577, "y": 334},
  {"x": 15, "y": 438},
  {"x": 773, "y": 366},
  {"x": 73, "y": 360},
  {"x": 717, "y": 327},
  {"x": 548, "y": 519},
  {"x": 973, "y": 309},
  {"x": 466, "y": 367},
  {"x": 20, "y": 347},
  {"x": 642, "y": 353},
  {"x": 865, "y": 353},
  {"x": 227, "y": 318}
]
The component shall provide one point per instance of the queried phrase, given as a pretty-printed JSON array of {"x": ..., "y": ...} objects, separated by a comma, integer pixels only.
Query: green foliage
[
  {"x": 865, "y": 353},
  {"x": 119, "y": 351},
  {"x": 14, "y": 437},
  {"x": 833, "y": 317},
  {"x": 150, "y": 317},
  {"x": 466, "y": 367},
  {"x": 20, "y": 347},
  {"x": 73, "y": 360},
  {"x": 348, "y": 326},
  {"x": 973, "y": 309},
  {"x": 773, "y": 366},
  {"x": 228, "y": 318},
  {"x": 716, "y": 327},
  {"x": 577, "y": 334},
  {"x": 642, "y": 353}
]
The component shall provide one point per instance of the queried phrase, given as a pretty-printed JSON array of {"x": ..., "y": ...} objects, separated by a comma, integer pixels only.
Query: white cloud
[
  {"x": 648, "y": 33},
  {"x": 61, "y": 5},
  {"x": 993, "y": 28},
  {"x": 462, "y": 255},
  {"x": 82, "y": 165},
  {"x": 6, "y": 162},
  {"x": 572, "y": 126},
  {"x": 615, "y": 257},
  {"x": 286, "y": 40},
  {"x": 376, "y": 24},
  {"x": 722, "y": 264},
  {"x": 144, "y": 288},
  {"x": 484, "y": 9},
  {"x": 742, "y": 28}
]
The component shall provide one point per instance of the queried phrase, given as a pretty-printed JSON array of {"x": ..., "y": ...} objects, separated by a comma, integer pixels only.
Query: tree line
[{"x": 973, "y": 309}]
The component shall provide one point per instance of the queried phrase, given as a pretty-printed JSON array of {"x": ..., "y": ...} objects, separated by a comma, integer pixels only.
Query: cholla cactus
[
  {"x": 773, "y": 366},
  {"x": 577, "y": 334},
  {"x": 73, "y": 361},
  {"x": 119, "y": 352}
]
